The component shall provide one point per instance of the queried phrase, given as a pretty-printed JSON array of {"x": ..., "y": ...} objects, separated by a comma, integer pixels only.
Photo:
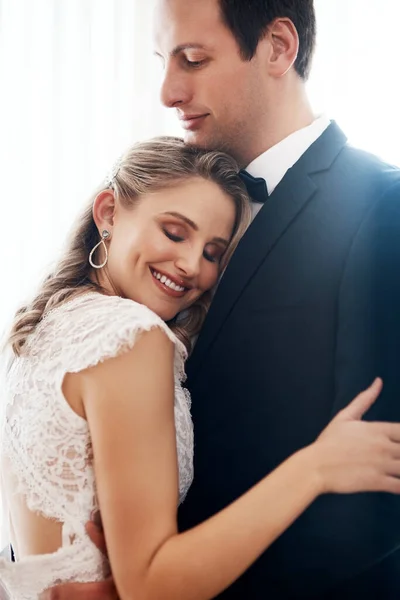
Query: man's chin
[
  {"x": 194, "y": 138},
  {"x": 199, "y": 139}
]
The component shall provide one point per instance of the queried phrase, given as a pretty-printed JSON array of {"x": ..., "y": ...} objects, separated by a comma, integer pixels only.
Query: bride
[{"x": 96, "y": 416}]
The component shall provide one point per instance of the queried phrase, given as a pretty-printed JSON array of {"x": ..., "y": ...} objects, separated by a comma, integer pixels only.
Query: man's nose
[{"x": 174, "y": 89}]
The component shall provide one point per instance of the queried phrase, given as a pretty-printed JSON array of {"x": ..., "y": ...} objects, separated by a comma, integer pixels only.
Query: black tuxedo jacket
[{"x": 306, "y": 315}]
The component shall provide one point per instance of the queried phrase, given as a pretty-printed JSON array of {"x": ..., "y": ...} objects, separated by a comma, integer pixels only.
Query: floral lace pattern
[{"x": 47, "y": 445}]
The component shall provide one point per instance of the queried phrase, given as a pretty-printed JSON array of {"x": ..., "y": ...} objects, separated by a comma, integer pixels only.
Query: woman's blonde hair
[{"x": 146, "y": 167}]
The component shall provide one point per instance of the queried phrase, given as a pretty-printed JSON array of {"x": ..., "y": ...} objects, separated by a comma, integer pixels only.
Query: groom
[{"x": 308, "y": 311}]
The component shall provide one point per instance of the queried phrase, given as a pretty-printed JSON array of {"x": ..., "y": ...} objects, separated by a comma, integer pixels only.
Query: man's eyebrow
[{"x": 183, "y": 47}]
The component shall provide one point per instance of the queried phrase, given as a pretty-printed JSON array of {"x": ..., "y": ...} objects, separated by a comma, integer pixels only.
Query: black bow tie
[{"x": 256, "y": 186}]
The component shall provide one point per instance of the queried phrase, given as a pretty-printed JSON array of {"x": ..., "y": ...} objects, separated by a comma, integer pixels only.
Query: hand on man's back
[{"x": 100, "y": 590}]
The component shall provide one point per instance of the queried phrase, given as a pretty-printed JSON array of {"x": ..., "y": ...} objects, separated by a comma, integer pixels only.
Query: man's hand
[
  {"x": 94, "y": 529},
  {"x": 103, "y": 590}
]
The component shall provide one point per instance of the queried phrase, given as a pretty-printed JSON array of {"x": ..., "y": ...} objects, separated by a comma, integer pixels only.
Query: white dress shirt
[{"x": 273, "y": 164}]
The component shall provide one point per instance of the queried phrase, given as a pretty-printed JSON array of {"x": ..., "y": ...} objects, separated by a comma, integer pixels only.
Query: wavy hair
[{"x": 146, "y": 167}]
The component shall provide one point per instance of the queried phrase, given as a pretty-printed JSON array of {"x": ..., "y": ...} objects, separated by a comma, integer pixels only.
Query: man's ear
[
  {"x": 283, "y": 46},
  {"x": 104, "y": 210}
]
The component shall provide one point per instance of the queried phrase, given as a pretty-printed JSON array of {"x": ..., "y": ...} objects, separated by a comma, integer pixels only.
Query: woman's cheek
[
  {"x": 161, "y": 244},
  {"x": 211, "y": 277}
]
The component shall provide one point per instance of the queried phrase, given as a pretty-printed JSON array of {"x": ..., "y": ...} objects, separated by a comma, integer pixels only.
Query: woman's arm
[{"x": 129, "y": 404}]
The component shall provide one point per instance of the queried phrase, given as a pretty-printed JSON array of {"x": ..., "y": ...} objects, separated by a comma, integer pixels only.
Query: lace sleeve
[{"x": 94, "y": 328}]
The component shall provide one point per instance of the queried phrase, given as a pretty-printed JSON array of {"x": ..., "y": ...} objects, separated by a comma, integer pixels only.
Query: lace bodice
[{"x": 46, "y": 445}]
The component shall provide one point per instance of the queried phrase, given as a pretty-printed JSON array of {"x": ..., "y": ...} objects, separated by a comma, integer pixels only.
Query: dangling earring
[{"x": 104, "y": 236}]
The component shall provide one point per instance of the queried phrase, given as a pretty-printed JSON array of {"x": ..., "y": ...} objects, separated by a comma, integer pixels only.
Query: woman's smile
[{"x": 170, "y": 285}]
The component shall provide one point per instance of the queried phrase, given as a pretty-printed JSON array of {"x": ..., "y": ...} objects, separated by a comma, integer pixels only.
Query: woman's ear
[{"x": 104, "y": 210}]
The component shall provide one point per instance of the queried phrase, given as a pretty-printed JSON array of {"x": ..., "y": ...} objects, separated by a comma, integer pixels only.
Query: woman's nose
[{"x": 189, "y": 264}]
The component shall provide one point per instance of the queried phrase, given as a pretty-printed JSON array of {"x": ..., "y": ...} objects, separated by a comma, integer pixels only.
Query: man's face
[{"x": 217, "y": 95}]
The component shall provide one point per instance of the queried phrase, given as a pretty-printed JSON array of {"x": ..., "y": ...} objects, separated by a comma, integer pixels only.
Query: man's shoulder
[
  {"x": 376, "y": 186},
  {"x": 370, "y": 165},
  {"x": 363, "y": 178}
]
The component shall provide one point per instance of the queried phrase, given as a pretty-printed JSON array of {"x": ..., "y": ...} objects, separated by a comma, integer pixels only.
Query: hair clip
[{"x": 111, "y": 176}]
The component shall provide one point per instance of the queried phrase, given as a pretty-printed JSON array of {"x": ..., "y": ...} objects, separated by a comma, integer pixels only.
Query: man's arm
[
  {"x": 368, "y": 333},
  {"x": 368, "y": 345}
]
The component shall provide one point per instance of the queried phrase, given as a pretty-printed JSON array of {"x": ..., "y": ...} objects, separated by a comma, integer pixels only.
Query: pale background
[{"x": 79, "y": 83}]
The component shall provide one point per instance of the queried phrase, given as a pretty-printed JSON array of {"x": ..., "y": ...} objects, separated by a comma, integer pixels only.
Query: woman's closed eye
[
  {"x": 213, "y": 252},
  {"x": 174, "y": 233}
]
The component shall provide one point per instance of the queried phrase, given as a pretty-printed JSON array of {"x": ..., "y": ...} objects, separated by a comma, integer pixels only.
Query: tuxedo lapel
[{"x": 284, "y": 204}]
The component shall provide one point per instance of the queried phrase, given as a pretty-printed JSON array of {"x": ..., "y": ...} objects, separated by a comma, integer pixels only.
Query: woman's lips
[{"x": 168, "y": 290}]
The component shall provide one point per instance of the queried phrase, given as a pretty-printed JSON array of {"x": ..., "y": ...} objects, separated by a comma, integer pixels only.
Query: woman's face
[{"x": 165, "y": 252}]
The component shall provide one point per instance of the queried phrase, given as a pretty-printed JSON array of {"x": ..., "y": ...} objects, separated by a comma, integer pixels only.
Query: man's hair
[{"x": 248, "y": 20}]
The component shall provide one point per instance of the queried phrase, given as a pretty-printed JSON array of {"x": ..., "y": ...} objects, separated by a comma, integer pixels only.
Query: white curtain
[
  {"x": 79, "y": 84},
  {"x": 355, "y": 73}
]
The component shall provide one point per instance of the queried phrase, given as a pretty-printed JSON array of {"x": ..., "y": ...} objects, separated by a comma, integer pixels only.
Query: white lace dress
[{"x": 46, "y": 449}]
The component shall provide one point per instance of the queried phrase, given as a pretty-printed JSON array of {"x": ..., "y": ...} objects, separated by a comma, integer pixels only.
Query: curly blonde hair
[{"x": 147, "y": 166}]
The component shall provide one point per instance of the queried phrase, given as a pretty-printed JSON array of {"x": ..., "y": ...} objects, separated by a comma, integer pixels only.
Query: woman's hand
[{"x": 352, "y": 455}]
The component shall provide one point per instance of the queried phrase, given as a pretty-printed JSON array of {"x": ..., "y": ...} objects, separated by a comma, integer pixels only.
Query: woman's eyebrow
[{"x": 191, "y": 223}]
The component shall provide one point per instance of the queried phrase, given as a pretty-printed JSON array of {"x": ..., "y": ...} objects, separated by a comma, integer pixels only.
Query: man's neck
[{"x": 291, "y": 113}]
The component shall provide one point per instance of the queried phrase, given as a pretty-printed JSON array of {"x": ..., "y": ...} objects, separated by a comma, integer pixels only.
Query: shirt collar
[{"x": 273, "y": 164}]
